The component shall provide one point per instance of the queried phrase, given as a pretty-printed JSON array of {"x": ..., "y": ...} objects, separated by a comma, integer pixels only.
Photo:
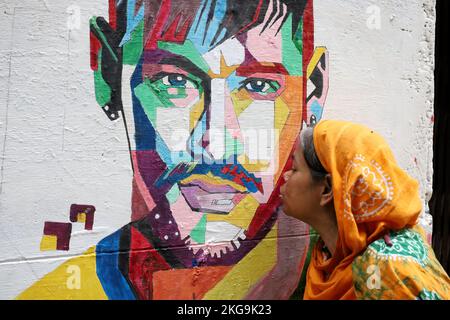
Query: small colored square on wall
[
  {"x": 56, "y": 236},
  {"x": 49, "y": 243},
  {"x": 82, "y": 213}
]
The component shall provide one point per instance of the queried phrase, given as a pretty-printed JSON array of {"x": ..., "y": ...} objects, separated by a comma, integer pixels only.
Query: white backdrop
[{"x": 57, "y": 147}]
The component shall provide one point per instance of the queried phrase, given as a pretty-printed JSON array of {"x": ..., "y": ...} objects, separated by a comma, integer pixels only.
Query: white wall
[{"x": 58, "y": 148}]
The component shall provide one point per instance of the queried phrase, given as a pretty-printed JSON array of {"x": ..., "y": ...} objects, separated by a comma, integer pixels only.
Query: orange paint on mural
[{"x": 186, "y": 284}]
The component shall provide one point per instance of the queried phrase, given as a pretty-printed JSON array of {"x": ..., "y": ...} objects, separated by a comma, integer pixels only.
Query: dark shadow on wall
[{"x": 440, "y": 201}]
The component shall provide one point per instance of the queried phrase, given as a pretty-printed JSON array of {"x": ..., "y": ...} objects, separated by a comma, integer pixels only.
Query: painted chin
[
  {"x": 223, "y": 242},
  {"x": 217, "y": 251}
]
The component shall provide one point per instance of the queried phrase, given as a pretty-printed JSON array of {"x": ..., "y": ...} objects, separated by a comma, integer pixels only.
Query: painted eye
[
  {"x": 178, "y": 81},
  {"x": 262, "y": 86}
]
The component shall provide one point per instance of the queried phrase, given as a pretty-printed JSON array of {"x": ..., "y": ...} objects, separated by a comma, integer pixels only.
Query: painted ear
[
  {"x": 317, "y": 85},
  {"x": 106, "y": 62}
]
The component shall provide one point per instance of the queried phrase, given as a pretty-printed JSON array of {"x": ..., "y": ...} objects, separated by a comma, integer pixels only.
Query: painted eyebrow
[
  {"x": 246, "y": 70},
  {"x": 187, "y": 65}
]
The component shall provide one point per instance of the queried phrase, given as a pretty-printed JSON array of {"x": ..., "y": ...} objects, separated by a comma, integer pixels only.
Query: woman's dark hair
[{"x": 318, "y": 172}]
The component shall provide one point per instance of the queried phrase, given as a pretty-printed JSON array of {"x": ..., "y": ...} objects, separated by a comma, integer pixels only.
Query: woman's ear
[{"x": 327, "y": 191}]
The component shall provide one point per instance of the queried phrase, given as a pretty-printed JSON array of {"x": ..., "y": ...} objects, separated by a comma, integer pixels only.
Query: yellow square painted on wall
[
  {"x": 48, "y": 243},
  {"x": 81, "y": 217}
]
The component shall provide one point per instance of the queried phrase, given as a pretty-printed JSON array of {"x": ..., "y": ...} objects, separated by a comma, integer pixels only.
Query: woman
[{"x": 346, "y": 184}]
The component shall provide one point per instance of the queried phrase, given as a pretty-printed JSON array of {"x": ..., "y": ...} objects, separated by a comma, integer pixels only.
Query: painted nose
[
  {"x": 221, "y": 119},
  {"x": 208, "y": 137}
]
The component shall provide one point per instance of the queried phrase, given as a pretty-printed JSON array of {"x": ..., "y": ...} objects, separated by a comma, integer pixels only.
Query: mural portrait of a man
[{"x": 213, "y": 94}]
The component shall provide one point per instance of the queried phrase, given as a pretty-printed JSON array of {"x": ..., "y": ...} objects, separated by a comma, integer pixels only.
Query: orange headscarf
[{"x": 372, "y": 195}]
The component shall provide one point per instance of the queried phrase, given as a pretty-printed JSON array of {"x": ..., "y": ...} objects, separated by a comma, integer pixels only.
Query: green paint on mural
[
  {"x": 298, "y": 38},
  {"x": 173, "y": 194},
  {"x": 149, "y": 100},
  {"x": 155, "y": 94},
  {"x": 102, "y": 38},
  {"x": 102, "y": 89},
  {"x": 162, "y": 90},
  {"x": 292, "y": 56},
  {"x": 199, "y": 232},
  {"x": 133, "y": 49},
  {"x": 188, "y": 50}
]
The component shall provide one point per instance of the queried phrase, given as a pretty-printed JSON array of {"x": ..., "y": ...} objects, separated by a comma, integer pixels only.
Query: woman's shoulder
[{"x": 400, "y": 266}]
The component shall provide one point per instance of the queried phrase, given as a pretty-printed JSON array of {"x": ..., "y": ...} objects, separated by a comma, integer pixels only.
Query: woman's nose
[{"x": 287, "y": 175}]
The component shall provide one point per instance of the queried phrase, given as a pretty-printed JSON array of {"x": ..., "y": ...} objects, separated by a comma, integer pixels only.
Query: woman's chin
[{"x": 285, "y": 210}]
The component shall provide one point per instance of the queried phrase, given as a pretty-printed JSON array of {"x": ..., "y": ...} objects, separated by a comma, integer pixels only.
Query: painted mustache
[{"x": 234, "y": 173}]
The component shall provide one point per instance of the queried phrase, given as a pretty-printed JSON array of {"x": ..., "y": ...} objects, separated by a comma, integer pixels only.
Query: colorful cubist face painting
[{"x": 213, "y": 94}]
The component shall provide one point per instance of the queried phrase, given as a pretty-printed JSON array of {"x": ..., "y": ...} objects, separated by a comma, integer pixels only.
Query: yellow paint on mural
[
  {"x": 76, "y": 279},
  {"x": 209, "y": 178},
  {"x": 225, "y": 70},
  {"x": 241, "y": 100},
  {"x": 248, "y": 272},
  {"x": 196, "y": 114},
  {"x": 318, "y": 53},
  {"x": 241, "y": 215},
  {"x": 281, "y": 114},
  {"x": 253, "y": 165},
  {"x": 48, "y": 243},
  {"x": 81, "y": 217}
]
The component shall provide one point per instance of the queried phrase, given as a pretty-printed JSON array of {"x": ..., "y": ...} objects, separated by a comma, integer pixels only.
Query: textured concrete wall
[{"x": 58, "y": 148}]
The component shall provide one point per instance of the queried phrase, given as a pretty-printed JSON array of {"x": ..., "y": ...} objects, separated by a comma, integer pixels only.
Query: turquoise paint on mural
[
  {"x": 148, "y": 100},
  {"x": 173, "y": 194},
  {"x": 317, "y": 109},
  {"x": 132, "y": 50},
  {"x": 292, "y": 57},
  {"x": 132, "y": 20},
  {"x": 232, "y": 146},
  {"x": 197, "y": 35},
  {"x": 199, "y": 232},
  {"x": 163, "y": 150},
  {"x": 234, "y": 81}
]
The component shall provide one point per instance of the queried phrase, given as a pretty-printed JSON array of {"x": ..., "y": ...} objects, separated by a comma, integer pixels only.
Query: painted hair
[
  {"x": 171, "y": 20},
  {"x": 135, "y": 26}
]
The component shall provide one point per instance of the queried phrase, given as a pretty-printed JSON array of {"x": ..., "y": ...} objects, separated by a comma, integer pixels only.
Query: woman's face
[{"x": 300, "y": 194}]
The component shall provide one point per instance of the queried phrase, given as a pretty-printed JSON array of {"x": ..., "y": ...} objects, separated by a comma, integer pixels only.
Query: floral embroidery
[
  {"x": 370, "y": 192},
  {"x": 428, "y": 295}
]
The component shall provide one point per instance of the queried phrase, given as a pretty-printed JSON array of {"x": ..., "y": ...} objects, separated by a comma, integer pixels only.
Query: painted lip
[
  {"x": 212, "y": 188},
  {"x": 209, "y": 198}
]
